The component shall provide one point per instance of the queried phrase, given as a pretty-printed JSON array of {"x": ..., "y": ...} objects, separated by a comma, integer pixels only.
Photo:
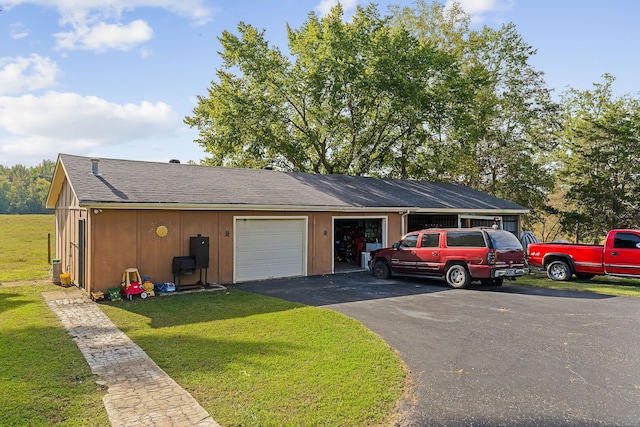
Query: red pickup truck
[
  {"x": 460, "y": 255},
  {"x": 619, "y": 256}
]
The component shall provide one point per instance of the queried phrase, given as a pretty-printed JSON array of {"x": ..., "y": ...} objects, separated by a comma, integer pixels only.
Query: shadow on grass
[
  {"x": 190, "y": 354},
  {"x": 192, "y": 308},
  {"x": 11, "y": 301}
]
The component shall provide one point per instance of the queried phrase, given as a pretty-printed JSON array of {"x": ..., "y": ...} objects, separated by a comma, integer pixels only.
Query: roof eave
[{"x": 291, "y": 208}]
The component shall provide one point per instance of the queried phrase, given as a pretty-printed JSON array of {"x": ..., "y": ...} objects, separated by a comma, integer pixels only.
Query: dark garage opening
[
  {"x": 422, "y": 221},
  {"x": 352, "y": 237}
]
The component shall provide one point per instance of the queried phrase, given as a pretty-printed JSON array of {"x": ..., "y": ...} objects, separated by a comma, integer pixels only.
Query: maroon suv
[{"x": 459, "y": 255}]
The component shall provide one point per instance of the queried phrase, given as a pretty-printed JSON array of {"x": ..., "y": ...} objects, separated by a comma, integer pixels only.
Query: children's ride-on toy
[
  {"x": 148, "y": 289},
  {"x": 114, "y": 294},
  {"x": 95, "y": 296},
  {"x": 131, "y": 283}
]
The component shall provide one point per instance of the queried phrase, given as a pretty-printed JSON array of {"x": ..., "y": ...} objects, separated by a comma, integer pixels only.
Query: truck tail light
[{"x": 491, "y": 257}]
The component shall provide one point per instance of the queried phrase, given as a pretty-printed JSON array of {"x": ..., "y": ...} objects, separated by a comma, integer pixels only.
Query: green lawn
[
  {"x": 44, "y": 379},
  {"x": 599, "y": 284},
  {"x": 23, "y": 246},
  {"x": 252, "y": 360}
]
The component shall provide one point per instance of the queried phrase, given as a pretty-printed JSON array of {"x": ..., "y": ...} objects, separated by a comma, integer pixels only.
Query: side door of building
[
  {"x": 404, "y": 258},
  {"x": 428, "y": 254},
  {"x": 623, "y": 257}
]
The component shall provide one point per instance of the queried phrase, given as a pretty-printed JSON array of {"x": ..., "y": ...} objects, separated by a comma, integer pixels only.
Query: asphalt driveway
[{"x": 494, "y": 356}]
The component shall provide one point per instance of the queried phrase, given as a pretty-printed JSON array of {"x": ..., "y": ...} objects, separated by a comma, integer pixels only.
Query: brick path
[{"x": 139, "y": 392}]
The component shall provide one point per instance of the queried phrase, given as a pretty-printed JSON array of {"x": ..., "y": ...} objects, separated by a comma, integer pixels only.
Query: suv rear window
[
  {"x": 469, "y": 239},
  {"x": 501, "y": 239}
]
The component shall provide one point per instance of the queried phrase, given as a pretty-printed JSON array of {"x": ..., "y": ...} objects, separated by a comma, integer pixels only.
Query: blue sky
[{"x": 115, "y": 78}]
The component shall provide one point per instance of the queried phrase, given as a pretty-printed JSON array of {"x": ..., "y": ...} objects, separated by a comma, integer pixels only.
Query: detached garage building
[{"x": 116, "y": 214}]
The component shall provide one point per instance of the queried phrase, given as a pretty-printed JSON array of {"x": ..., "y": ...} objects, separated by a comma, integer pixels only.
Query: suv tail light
[{"x": 491, "y": 256}]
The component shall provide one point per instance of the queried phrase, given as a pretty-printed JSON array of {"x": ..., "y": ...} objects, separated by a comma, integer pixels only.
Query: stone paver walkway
[{"x": 139, "y": 392}]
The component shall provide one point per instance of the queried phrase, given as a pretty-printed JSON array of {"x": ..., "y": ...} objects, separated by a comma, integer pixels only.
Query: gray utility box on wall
[{"x": 199, "y": 249}]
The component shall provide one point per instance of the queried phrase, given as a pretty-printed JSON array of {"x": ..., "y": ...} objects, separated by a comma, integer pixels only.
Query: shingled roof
[{"x": 128, "y": 183}]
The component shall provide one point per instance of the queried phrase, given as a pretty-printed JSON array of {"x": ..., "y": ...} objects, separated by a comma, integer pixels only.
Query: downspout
[{"x": 403, "y": 230}]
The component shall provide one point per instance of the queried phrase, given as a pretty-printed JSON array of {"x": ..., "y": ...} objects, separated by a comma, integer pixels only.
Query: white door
[{"x": 269, "y": 248}]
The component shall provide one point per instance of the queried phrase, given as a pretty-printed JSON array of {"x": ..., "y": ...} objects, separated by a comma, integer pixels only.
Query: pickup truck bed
[{"x": 584, "y": 260}]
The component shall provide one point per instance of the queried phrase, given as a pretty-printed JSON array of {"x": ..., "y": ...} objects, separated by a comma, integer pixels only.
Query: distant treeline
[{"x": 24, "y": 190}]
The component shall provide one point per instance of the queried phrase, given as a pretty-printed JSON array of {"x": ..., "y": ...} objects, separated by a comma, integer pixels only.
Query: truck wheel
[
  {"x": 559, "y": 271},
  {"x": 381, "y": 270},
  {"x": 457, "y": 276}
]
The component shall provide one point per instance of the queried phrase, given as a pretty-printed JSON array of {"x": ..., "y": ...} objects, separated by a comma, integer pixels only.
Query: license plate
[{"x": 511, "y": 272}]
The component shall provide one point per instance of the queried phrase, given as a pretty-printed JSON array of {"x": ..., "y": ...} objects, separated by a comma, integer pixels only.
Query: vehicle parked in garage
[
  {"x": 619, "y": 256},
  {"x": 459, "y": 255}
]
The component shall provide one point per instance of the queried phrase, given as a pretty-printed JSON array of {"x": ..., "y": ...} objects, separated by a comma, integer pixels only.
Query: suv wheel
[
  {"x": 381, "y": 270},
  {"x": 457, "y": 276}
]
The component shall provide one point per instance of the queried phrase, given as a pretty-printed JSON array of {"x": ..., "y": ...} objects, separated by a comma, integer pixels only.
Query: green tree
[
  {"x": 4, "y": 189},
  {"x": 353, "y": 100},
  {"x": 601, "y": 153},
  {"x": 415, "y": 94},
  {"x": 24, "y": 190},
  {"x": 496, "y": 141}
]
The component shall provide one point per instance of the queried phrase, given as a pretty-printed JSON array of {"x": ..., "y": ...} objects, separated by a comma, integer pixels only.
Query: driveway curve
[{"x": 493, "y": 356}]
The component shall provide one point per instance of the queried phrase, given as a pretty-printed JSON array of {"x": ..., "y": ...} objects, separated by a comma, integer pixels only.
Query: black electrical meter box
[{"x": 199, "y": 249}]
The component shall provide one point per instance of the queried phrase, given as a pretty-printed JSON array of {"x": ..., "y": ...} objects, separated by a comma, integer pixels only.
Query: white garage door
[{"x": 269, "y": 248}]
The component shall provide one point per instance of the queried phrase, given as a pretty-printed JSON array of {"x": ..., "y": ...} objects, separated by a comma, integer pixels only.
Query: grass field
[{"x": 23, "y": 246}]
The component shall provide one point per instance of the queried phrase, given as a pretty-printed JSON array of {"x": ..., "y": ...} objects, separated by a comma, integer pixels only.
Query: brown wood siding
[
  {"x": 120, "y": 239},
  {"x": 67, "y": 215},
  {"x": 224, "y": 262},
  {"x": 395, "y": 230},
  {"x": 320, "y": 243},
  {"x": 114, "y": 243}
]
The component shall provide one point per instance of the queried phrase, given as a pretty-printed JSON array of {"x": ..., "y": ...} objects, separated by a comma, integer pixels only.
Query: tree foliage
[
  {"x": 353, "y": 98},
  {"x": 415, "y": 94},
  {"x": 24, "y": 190},
  {"x": 601, "y": 153},
  {"x": 503, "y": 131}
]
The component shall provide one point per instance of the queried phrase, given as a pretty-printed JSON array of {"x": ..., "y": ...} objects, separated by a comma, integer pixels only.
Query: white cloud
[
  {"x": 68, "y": 122},
  {"x": 477, "y": 8},
  {"x": 18, "y": 31},
  {"x": 98, "y": 24},
  {"x": 22, "y": 74},
  {"x": 102, "y": 36},
  {"x": 325, "y": 5},
  {"x": 196, "y": 10}
]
